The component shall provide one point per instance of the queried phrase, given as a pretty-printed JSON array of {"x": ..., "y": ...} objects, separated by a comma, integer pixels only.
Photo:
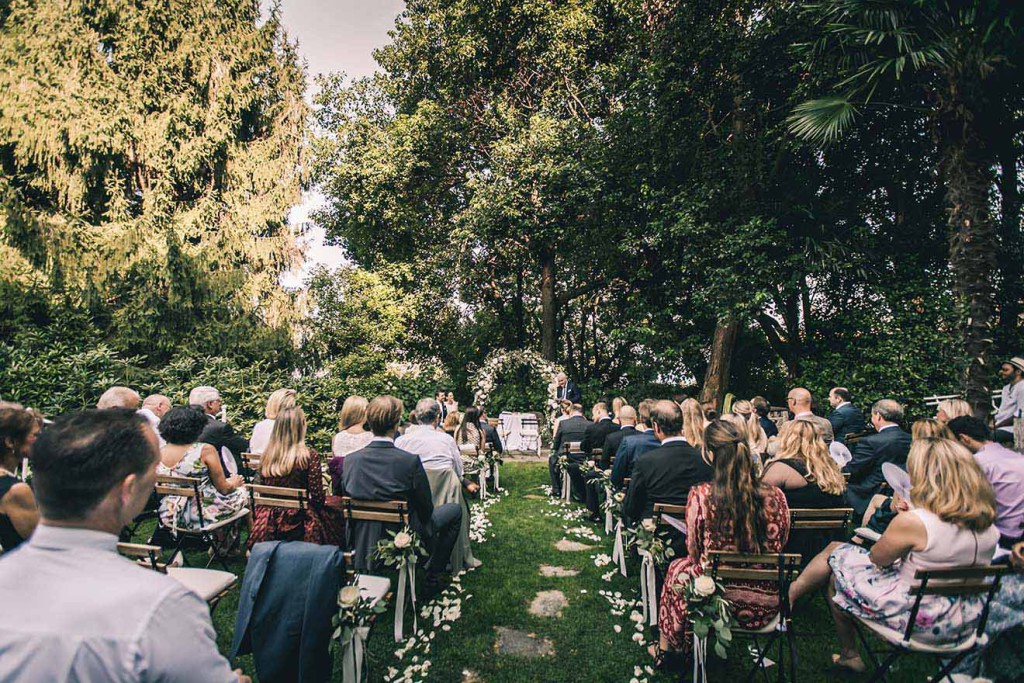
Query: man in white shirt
[
  {"x": 1011, "y": 402},
  {"x": 75, "y": 610},
  {"x": 436, "y": 449}
]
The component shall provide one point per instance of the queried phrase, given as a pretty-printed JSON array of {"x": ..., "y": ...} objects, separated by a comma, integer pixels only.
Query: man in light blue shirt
[{"x": 71, "y": 608}]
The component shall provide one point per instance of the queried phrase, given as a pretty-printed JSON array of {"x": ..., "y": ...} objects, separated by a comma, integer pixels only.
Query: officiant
[{"x": 567, "y": 389}]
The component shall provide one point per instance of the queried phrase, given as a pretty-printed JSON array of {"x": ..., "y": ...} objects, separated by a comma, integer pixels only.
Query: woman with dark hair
[
  {"x": 733, "y": 512},
  {"x": 18, "y": 512},
  {"x": 469, "y": 432},
  {"x": 185, "y": 456}
]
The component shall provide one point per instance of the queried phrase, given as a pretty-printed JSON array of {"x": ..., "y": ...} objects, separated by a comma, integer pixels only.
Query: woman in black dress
[
  {"x": 804, "y": 470},
  {"x": 18, "y": 512}
]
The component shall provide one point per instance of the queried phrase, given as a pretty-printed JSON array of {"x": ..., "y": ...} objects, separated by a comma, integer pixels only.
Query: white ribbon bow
[
  {"x": 497, "y": 476},
  {"x": 700, "y": 656},
  {"x": 483, "y": 483},
  {"x": 618, "y": 550},
  {"x": 565, "y": 485},
  {"x": 608, "y": 521},
  {"x": 406, "y": 571},
  {"x": 648, "y": 588},
  {"x": 352, "y": 652}
]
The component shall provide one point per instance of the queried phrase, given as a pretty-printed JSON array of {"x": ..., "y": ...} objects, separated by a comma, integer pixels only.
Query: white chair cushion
[
  {"x": 894, "y": 637},
  {"x": 206, "y": 583},
  {"x": 373, "y": 587}
]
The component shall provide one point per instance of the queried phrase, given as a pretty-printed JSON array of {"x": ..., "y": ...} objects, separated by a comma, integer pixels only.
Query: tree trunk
[
  {"x": 520, "y": 312},
  {"x": 969, "y": 178},
  {"x": 716, "y": 379},
  {"x": 1012, "y": 240},
  {"x": 548, "y": 314}
]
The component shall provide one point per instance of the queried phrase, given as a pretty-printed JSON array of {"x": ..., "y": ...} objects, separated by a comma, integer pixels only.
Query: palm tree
[{"x": 952, "y": 59}]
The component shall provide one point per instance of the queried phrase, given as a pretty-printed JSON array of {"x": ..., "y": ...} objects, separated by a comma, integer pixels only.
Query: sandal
[
  {"x": 669, "y": 661},
  {"x": 854, "y": 664}
]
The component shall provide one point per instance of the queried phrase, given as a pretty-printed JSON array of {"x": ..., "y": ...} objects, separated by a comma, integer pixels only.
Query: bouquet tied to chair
[
  {"x": 709, "y": 613},
  {"x": 352, "y": 628}
]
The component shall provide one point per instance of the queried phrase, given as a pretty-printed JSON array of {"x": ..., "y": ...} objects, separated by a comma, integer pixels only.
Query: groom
[{"x": 566, "y": 390}]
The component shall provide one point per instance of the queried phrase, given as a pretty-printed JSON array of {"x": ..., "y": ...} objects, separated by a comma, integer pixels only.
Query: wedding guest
[
  {"x": 282, "y": 399},
  {"x": 288, "y": 462},
  {"x": 949, "y": 524},
  {"x": 382, "y": 471},
  {"x": 490, "y": 433},
  {"x": 1011, "y": 399},
  {"x": 441, "y": 397},
  {"x": 564, "y": 411},
  {"x": 601, "y": 426},
  {"x": 119, "y": 397},
  {"x": 694, "y": 423},
  {"x": 18, "y": 512},
  {"x": 952, "y": 408},
  {"x": 931, "y": 428},
  {"x": 845, "y": 418},
  {"x": 618, "y": 403},
  {"x": 665, "y": 474},
  {"x": 803, "y": 469},
  {"x": 627, "y": 428},
  {"x": 1004, "y": 470},
  {"x": 756, "y": 437},
  {"x": 451, "y": 423},
  {"x": 218, "y": 434},
  {"x": 762, "y": 407},
  {"x": 352, "y": 435},
  {"x": 153, "y": 408},
  {"x": 566, "y": 389},
  {"x": 186, "y": 455},
  {"x": 800, "y": 402},
  {"x": 632, "y": 447},
  {"x": 450, "y": 404},
  {"x": 469, "y": 432},
  {"x": 572, "y": 428},
  {"x": 731, "y": 512},
  {"x": 75, "y": 610},
  {"x": 890, "y": 444}
]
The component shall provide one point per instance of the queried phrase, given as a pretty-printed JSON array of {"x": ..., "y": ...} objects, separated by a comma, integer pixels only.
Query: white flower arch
[{"x": 503, "y": 359}]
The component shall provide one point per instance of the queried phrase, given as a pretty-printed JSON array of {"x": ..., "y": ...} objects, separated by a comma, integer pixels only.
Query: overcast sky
[{"x": 334, "y": 35}]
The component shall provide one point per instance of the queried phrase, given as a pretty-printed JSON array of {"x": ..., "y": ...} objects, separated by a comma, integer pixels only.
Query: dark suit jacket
[
  {"x": 612, "y": 442},
  {"x": 595, "y": 434},
  {"x": 846, "y": 419},
  {"x": 380, "y": 471},
  {"x": 492, "y": 436},
  {"x": 570, "y": 393},
  {"x": 570, "y": 429},
  {"x": 664, "y": 475},
  {"x": 220, "y": 434},
  {"x": 285, "y": 605},
  {"x": 769, "y": 427},
  {"x": 631, "y": 448},
  {"x": 889, "y": 445}
]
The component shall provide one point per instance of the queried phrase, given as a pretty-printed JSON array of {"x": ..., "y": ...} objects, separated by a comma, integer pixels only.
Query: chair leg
[
  {"x": 882, "y": 671},
  {"x": 781, "y": 664},
  {"x": 866, "y": 646},
  {"x": 791, "y": 639},
  {"x": 947, "y": 669}
]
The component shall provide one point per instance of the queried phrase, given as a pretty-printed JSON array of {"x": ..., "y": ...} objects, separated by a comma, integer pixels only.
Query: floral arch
[{"x": 521, "y": 381}]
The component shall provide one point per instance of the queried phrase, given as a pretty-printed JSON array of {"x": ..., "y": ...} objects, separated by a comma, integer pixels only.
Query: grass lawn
[{"x": 586, "y": 646}]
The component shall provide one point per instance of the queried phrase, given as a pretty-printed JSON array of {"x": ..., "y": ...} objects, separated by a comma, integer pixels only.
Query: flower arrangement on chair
[
  {"x": 654, "y": 550},
  {"x": 352, "y": 628},
  {"x": 708, "y": 613},
  {"x": 402, "y": 551},
  {"x": 612, "y": 505}
]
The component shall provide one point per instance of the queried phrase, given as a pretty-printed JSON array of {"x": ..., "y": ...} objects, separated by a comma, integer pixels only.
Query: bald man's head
[
  {"x": 799, "y": 400},
  {"x": 157, "y": 403},
  {"x": 627, "y": 415}
]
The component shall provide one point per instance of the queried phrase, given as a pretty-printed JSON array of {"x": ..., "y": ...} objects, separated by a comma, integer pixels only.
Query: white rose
[
  {"x": 349, "y": 596},
  {"x": 403, "y": 540},
  {"x": 650, "y": 525},
  {"x": 704, "y": 586}
]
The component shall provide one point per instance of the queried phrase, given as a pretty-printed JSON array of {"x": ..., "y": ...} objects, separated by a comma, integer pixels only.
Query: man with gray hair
[
  {"x": 890, "y": 444},
  {"x": 436, "y": 449},
  {"x": 218, "y": 434},
  {"x": 119, "y": 397}
]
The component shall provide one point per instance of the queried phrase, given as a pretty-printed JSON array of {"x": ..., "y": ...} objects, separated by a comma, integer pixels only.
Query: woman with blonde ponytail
[
  {"x": 733, "y": 512},
  {"x": 693, "y": 423},
  {"x": 289, "y": 463},
  {"x": 757, "y": 440}
]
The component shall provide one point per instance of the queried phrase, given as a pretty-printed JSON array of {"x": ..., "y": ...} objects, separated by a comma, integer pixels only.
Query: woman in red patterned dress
[
  {"x": 733, "y": 512},
  {"x": 288, "y": 462}
]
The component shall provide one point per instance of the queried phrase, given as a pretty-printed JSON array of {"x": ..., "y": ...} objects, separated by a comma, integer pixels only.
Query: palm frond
[{"x": 822, "y": 120}]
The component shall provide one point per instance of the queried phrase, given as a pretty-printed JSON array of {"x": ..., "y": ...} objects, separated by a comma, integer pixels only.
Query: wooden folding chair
[
  {"x": 677, "y": 512},
  {"x": 278, "y": 497},
  {"x": 839, "y": 520},
  {"x": 251, "y": 462},
  {"x": 188, "y": 487},
  {"x": 209, "y": 584},
  {"x": 387, "y": 511},
  {"x": 954, "y": 582},
  {"x": 780, "y": 569}
]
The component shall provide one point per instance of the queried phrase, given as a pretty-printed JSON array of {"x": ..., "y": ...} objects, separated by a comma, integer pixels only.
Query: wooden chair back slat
[
  {"x": 278, "y": 497},
  {"x": 251, "y": 460},
  {"x": 167, "y": 485},
  {"x": 387, "y": 511},
  {"x": 974, "y": 587},
  {"x": 962, "y": 572},
  {"x": 774, "y": 568},
  {"x": 147, "y": 556},
  {"x": 825, "y": 518}
]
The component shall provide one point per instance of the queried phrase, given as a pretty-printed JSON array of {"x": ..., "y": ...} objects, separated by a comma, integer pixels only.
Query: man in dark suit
[
  {"x": 846, "y": 418},
  {"x": 627, "y": 428},
  {"x": 890, "y": 444},
  {"x": 490, "y": 433},
  {"x": 597, "y": 430},
  {"x": 218, "y": 434},
  {"x": 567, "y": 389},
  {"x": 572, "y": 428},
  {"x": 380, "y": 471},
  {"x": 633, "y": 446},
  {"x": 665, "y": 474},
  {"x": 613, "y": 436}
]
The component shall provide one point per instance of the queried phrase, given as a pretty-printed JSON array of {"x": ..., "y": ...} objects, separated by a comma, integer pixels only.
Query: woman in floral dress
[
  {"x": 183, "y": 456},
  {"x": 733, "y": 512},
  {"x": 949, "y": 524},
  {"x": 289, "y": 463}
]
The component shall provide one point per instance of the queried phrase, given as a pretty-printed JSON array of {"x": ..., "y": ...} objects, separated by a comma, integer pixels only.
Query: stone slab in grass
[
  {"x": 470, "y": 676},
  {"x": 522, "y": 644},
  {"x": 534, "y": 496},
  {"x": 567, "y": 546},
  {"x": 548, "y": 570},
  {"x": 549, "y": 604}
]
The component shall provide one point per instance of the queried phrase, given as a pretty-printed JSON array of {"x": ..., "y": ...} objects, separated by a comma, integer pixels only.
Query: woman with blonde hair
[
  {"x": 756, "y": 438},
  {"x": 451, "y": 423},
  {"x": 804, "y": 470},
  {"x": 617, "y": 404},
  {"x": 278, "y": 401},
  {"x": 952, "y": 408},
  {"x": 931, "y": 428},
  {"x": 949, "y": 524},
  {"x": 352, "y": 436},
  {"x": 693, "y": 423},
  {"x": 289, "y": 463}
]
